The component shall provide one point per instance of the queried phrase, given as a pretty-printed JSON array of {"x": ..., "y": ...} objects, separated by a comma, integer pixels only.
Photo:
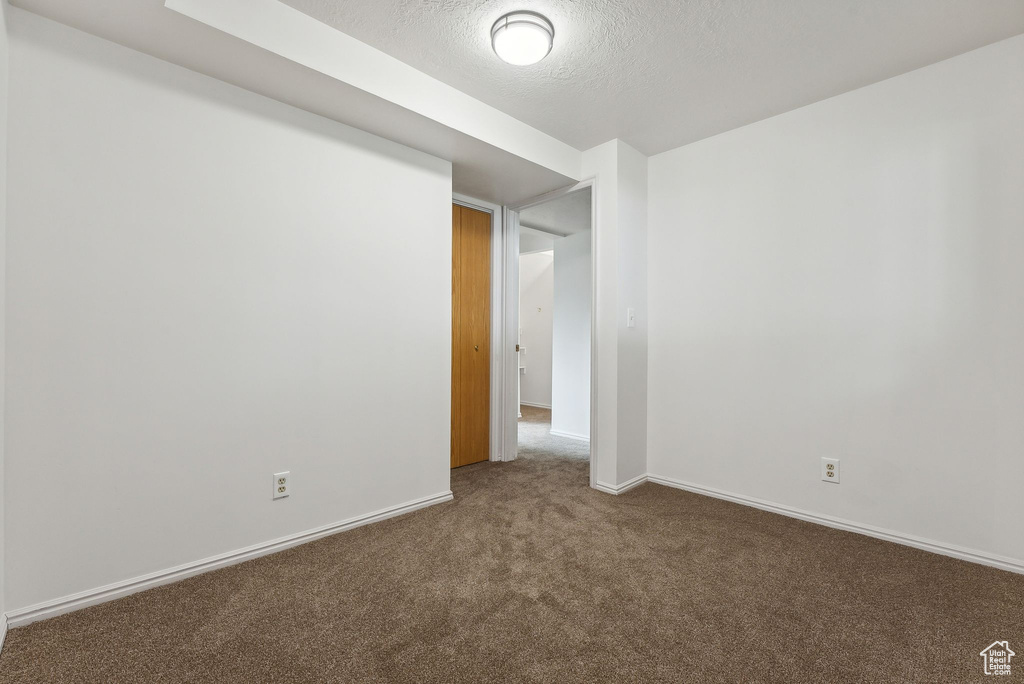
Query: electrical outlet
[
  {"x": 282, "y": 484},
  {"x": 830, "y": 470}
]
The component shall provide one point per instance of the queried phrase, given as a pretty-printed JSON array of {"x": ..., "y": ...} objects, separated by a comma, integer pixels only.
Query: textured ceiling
[
  {"x": 662, "y": 73},
  {"x": 562, "y": 216}
]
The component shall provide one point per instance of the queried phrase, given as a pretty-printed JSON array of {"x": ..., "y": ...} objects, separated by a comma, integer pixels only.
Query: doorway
[{"x": 555, "y": 285}]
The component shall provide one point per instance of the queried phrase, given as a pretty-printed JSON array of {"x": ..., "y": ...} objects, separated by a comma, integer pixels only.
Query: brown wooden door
[{"x": 471, "y": 335}]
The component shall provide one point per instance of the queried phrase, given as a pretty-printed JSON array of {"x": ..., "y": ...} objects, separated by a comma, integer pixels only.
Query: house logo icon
[{"x": 997, "y": 658}]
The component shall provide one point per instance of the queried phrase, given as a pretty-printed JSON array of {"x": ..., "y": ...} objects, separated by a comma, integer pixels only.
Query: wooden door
[{"x": 471, "y": 335}]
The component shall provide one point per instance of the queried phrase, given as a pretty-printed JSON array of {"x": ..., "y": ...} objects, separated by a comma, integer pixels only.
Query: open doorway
[{"x": 555, "y": 306}]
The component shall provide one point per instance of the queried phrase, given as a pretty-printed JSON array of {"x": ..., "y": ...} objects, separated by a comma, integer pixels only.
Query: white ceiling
[
  {"x": 562, "y": 216},
  {"x": 533, "y": 241},
  {"x": 662, "y": 73}
]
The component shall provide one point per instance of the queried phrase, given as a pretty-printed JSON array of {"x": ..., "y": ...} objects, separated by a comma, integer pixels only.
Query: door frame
[
  {"x": 511, "y": 287},
  {"x": 496, "y": 436}
]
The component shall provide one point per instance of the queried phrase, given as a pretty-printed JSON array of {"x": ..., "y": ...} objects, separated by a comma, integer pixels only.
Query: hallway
[{"x": 536, "y": 441}]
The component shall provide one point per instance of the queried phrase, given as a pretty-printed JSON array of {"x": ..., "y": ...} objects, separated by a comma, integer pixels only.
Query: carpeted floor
[
  {"x": 531, "y": 576},
  {"x": 536, "y": 440}
]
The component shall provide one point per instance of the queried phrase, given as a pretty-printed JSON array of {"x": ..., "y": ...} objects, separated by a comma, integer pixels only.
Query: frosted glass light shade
[{"x": 522, "y": 38}]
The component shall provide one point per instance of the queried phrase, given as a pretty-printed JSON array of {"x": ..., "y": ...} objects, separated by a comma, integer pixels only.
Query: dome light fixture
[{"x": 522, "y": 38}]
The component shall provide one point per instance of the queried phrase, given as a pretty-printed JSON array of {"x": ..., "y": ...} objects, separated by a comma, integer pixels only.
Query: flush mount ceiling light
[{"x": 522, "y": 38}]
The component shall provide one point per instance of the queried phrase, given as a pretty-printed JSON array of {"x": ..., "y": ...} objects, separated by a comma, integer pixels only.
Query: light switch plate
[{"x": 630, "y": 318}]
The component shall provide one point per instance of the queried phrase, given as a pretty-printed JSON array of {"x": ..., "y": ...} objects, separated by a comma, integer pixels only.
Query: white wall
[
  {"x": 4, "y": 51},
  {"x": 570, "y": 384},
  {"x": 846, "y": 281},
  {"x": 620, "y": 443},
  {"x": 207, "y": 287},
  {"x": 536, "y": 302},
  {"x": 631, "y": 254}
]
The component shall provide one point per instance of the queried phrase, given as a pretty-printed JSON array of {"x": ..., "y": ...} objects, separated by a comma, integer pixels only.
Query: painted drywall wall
[
  {"x": 631, "y": 255},
  {"x": 601, "y": 163},
  {"x": 193, "y": 273},
  {"x": 620, "y": 443},
  {"x": 570, "y": 381},
  {"x": 4, "y": 54},
  {"x": 536, "y": 301},
  {"x": 845, "y": 281}
]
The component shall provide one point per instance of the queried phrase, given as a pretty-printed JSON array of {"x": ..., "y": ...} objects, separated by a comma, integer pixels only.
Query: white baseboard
[
  {"x": 530, "y": 403},
  {"x": 624, "y": 487},
  {"x": 3, "y": 630},
  {"x": 570, "y": 435},
  {"x": 91, "y": 597},
  {"x": 941, "y": 548}
]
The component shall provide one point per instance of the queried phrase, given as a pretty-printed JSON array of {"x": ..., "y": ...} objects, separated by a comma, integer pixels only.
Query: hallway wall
[
  {"x": 536, "y": 306},
  {"x": 571, "y": 339}
]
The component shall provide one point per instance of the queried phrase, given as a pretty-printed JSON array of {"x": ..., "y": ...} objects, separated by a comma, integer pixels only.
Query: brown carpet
[{"x": 530, "y": 576}]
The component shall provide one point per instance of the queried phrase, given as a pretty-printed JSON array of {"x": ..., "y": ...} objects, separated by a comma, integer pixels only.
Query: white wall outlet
[
  {"x": 830, "y": 470},
  {"x": 282, "y": 484}
]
